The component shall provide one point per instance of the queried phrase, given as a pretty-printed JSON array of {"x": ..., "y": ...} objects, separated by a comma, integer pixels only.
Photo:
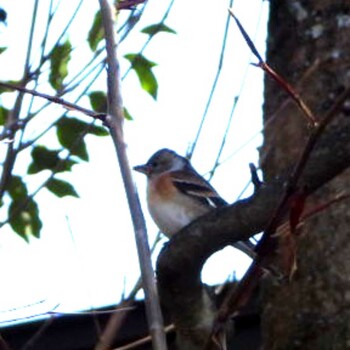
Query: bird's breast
[{"x": 170, "y": 209}]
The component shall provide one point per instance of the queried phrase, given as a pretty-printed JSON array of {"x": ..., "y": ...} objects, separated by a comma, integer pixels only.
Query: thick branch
[{"x": 181, "y": 260}]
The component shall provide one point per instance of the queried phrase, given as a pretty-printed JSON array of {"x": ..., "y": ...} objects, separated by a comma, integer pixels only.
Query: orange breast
[{"x": 162, "y": 188}]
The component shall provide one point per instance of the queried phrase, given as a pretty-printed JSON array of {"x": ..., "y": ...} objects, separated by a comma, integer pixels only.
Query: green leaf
[
  {"x": 157, "y": 28},
  {"x": 43, "y": 158},
  {"x": 127, "y": 115},
  {"x": 62, "y": 165},
  {"x": 47, "y": 159},
  {"x": 96, "y": 32},
  {"x": 24, "y": 218},
  {"x": 97, "y": 130},
  {"x": 23, "y": 211},
  {"x": 98, "y": 101},
  {"x": 143, "y": 68},
  {"x": 70, "y": 133},
  {"x": 61, "y": 188},
  {"x": 3, "y": 115},
  {"x": 59, "y": 59},
  {"x": 2, "y": 49},
  {"x": 16, "y": 188}
]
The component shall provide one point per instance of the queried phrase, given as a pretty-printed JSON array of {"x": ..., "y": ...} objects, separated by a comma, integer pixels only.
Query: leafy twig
[
  {"x": 144, "y": 46},
  {"x": 13, "y": 117},
  {"x": 54, "y": 172}
]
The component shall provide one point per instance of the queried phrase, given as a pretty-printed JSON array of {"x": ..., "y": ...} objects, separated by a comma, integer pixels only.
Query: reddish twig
[
  {"x": 283, "y": 228},
  {"x": 321, "y": 207},
  {"x": 312, "y": 120},
  {"x": 310, "y": 117}
]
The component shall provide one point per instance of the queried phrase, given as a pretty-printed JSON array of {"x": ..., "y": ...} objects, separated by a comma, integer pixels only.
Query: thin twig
[
  {"x": 30, "y": 142},
  {"x": 57, "y": 100},
  {"x": 144, "y": 46},
  {"x": 14, "y": 115},
  {"x": 310, "y": 117},
  {"x": 213, "y": 88},
  {"x": 36, "y": 336},
  {"x": 115, "y": 123},
  {"x": 284, "y": 228},
  {"x": 144, "y": 340},
  {"x": 233, "y": 109},
  {"x": 115, "y": 322},
  {"x": 298, "y": 169},
  {"x": 316, "y": 64},
  {"x": 57, "y": 168},
  {"x": 312, "y": 120},
  {"x": 71, "y": 19}
]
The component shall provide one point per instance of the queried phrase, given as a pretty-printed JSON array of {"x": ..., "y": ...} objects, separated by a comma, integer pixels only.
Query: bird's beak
[{"x": 144, "y": 169}]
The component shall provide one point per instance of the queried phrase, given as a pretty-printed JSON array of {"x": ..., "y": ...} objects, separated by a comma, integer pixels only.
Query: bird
[{"x": 177, "y": 194}]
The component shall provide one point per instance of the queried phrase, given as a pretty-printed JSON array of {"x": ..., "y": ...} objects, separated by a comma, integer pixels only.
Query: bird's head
[{"x": 164, "y": 160}]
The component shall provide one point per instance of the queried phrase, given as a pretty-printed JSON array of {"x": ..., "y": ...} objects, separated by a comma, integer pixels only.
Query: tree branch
[
  {"x": 55, "y": 99},
  {"x": 181, "y": 260},
  {"x": 115, "y": 123}
]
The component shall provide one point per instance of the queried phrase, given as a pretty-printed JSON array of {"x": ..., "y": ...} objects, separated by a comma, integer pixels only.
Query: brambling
[{"x": 177, "y": 194}]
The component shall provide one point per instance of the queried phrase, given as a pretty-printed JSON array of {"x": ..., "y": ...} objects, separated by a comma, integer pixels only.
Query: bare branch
[
  {"x": 57, "y": 100},
  {"x": 115, "y": 124}
]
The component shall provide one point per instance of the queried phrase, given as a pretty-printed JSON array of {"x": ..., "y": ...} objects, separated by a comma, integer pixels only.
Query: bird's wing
[{"x": 191, "y": 183}]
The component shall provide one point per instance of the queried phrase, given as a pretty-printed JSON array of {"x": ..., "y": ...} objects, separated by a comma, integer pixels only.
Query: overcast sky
[{"x": 86, "y": 255}]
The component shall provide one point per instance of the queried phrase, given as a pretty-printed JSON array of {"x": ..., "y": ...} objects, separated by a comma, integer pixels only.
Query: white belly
[{"x": 172, "y": 217}]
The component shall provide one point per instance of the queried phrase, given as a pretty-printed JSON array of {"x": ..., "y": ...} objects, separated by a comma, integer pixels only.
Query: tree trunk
[{"x": 308, "y": 44}]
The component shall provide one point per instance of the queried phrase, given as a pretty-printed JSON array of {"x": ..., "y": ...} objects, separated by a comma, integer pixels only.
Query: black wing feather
[{"x": 191, "y": 183}]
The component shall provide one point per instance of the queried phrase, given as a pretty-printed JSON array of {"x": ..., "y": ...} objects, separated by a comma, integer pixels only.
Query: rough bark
[
  {"x": 309, "y": 45},
  {"x": 181, "y": 260}
]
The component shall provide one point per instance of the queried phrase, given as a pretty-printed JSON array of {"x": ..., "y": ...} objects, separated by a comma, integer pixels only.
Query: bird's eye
[{"x": 155, "y": 164}]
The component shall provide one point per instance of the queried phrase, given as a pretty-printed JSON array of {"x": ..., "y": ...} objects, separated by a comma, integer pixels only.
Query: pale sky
[{"x": 86, "y": 255}]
